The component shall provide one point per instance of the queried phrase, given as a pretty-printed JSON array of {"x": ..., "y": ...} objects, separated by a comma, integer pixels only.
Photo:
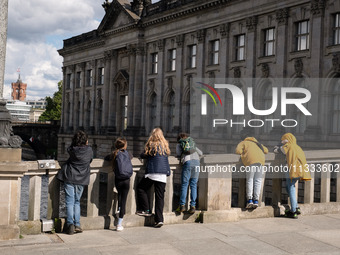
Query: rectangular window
[
  {"x": 240, "y": 47},
  {"x": 269, "y": 42},
  {"x": 154, "y": 63},
  {"x": 89, "y": 78},
  {"x": 172, "y": 60},
  {"x": 78, "y": 79},
  {"x": 337, "y": 29},
  {"x": 302, "y": 35},
  {"x": 215, "y": 47},
  {"x": 68, "y": 81},
  {"x": 192, "y": 56},
  {"x": 100, "y": 76}
]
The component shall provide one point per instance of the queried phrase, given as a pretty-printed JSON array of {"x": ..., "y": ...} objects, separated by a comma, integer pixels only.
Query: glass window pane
[{"x": 194, "y": 50}]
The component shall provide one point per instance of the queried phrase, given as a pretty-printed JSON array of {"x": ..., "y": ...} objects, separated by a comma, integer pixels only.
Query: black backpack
[{"x": 123, "y": 165}]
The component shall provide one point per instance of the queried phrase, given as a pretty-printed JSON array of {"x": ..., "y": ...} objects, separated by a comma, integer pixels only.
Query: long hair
[
  {"x": 157, "y": 143},
  {"x": 79, "y": 139},
  {"x": 120, "y": 144}
]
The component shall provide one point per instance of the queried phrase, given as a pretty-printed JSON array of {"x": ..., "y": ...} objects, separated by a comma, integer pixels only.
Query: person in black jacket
[
  {"x": 123, "y": 170},
  {"x": 156, "y": 153},
  {"x": 75, "y": 174}
]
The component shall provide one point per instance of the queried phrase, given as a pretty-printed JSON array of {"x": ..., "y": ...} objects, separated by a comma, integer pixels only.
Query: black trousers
[
  {"x": 123, "y": 187},
  {"x": 142, "y": 196}
]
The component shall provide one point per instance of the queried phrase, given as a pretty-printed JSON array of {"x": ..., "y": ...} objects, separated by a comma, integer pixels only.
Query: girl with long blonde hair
[{"x": 156, "y": 152}]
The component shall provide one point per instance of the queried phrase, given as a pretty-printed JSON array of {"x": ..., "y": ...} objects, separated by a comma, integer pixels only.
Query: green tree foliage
[{"x": 53, "y": 107}]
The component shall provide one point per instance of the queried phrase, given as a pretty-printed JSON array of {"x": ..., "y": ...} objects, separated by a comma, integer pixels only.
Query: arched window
[{"x": 336, "y": 108}]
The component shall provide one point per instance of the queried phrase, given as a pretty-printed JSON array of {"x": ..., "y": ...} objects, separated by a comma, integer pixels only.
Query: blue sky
[{"x": 36, "y": 30}]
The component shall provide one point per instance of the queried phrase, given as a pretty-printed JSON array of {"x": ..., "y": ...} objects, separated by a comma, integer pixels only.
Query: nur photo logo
[{"x": 282, "y": 101}]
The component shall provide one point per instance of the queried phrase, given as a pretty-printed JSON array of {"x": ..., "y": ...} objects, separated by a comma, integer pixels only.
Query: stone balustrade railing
[{"x": 215, "y": 192}]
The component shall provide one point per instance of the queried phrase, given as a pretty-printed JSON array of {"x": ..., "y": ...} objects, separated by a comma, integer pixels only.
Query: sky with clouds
[{"x": 36, "y": 30}]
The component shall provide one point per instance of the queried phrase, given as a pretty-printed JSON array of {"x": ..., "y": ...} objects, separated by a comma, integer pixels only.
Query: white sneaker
[
  {"x": 120, "y": 228},
  {"x": 159, "y": 224}
]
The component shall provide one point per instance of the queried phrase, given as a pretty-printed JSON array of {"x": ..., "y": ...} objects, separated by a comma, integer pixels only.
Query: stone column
[
  {"x": 132, "y": 68},
  {"x": 105, "y": 111},
  {"x": 112, "y": 93},
  {"x": 3, "y": 40},
  {"x": 11, "y": 169},
  {"x": 138, "y": 87}
]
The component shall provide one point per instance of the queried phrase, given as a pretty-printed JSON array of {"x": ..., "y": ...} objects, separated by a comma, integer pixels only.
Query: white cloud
[{"x": 36, "y": 29}]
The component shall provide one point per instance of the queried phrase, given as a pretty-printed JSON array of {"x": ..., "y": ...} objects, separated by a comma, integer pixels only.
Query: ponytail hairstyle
[
  {"x": 157, "y": 143},
  {"x": 120, "y": 144}
]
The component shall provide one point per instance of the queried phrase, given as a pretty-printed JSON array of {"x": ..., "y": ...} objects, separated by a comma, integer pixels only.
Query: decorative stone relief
[
  {"x": 282, "y": 16},
  {"x": 265, "y": 70},
  {"x": 160, "y": 44},
  {"x": 224, "y": 29},
  {"x": 179, "y": 40},
  {"x": 237, "y": 72},
  {"x": 336, "y": 63},
  {"x": 251, "y": 23},
  {"x": 317, "y": 6},
  {"x": 201, "y": 35},
  {"x": 298, "y": 66}
]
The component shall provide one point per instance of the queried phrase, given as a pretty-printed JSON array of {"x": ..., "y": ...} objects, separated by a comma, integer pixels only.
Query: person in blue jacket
[
  {"x": 156, "y": 153},
  {"x": 75, "y": 174}
]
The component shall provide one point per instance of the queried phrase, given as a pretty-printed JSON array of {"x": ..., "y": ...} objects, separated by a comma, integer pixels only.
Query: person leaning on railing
[{"x": 298, "y": 170}]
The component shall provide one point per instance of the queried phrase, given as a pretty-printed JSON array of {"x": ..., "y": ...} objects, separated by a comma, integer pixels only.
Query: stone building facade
[{"x": 135, "y": 72}]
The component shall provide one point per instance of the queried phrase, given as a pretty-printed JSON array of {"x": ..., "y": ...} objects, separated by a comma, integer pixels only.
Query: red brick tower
[{"x": 19, "y": 90}]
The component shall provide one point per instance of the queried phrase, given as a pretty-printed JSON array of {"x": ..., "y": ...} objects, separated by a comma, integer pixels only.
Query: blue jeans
[
  {"x": 189, "y": 177},
  {"x": 290, "y": 187},
  {"x": 72, "y": 198},
  {"x": 254, "y": 181}
]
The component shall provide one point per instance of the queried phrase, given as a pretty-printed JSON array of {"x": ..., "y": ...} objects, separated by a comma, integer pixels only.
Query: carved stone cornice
[
  {"x": 282, "y": 16},
  {"x": 180, "y": 40},
  {"x": 318, "y": 7},
  {"x": 201, "y": 35},
  {"x": 251, "y": 23},
  {"x": 224, "y": 29}
]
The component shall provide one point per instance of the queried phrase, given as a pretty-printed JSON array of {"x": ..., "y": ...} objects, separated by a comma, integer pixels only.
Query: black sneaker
[
  {"x": 78, "y": 229},
  {"x": 291, "y": 214},
  {"x": 70, "y": 229},
  {"x": 298, "y": 210},
  {"x": 144, "y": 213},
  {"x": 192, "y": 209}
]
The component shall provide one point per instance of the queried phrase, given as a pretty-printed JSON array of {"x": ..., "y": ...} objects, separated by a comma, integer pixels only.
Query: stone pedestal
[{"x": 11, "y": 169}]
